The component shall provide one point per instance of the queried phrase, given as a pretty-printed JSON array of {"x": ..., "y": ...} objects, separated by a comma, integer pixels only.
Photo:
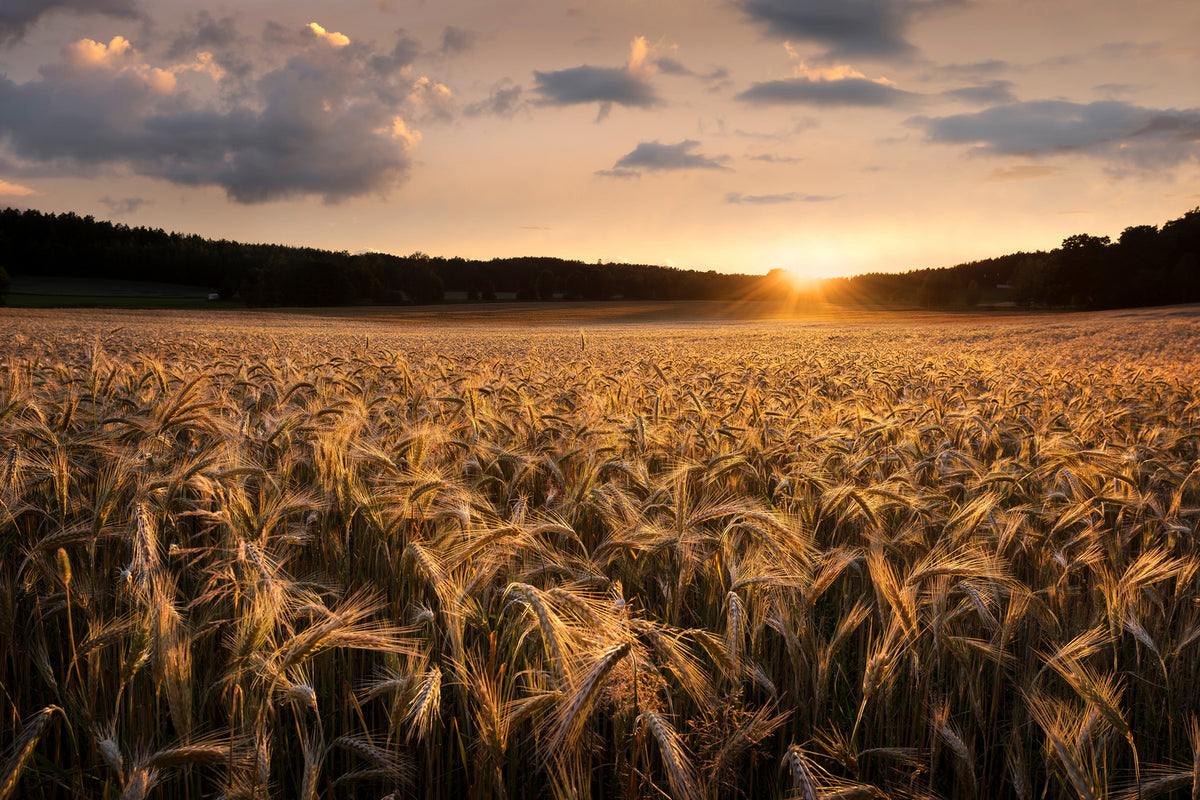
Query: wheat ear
[
  {"x": 680, "y": 773},
  {"x": 23, "y": 749}
]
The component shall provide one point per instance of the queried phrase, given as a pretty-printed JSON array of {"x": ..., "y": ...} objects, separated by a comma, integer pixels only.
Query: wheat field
[{"x": 280, "y": 556}]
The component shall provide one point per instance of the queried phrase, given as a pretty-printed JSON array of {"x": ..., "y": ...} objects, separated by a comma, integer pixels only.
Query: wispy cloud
[
  {"x": 975, "y": 70},
  {"x": 8, "y": 189},
  {"x": 737, "y": 198},
  {"x": 1023, "y": 172},
  {"x": 772, "y": 158},
  {"x": 503, "y": 101},
  {"x": 990, "y": 93},
  {"x": 616, "y": 172},
  {"x": 124, "y": 205},
  {"x": 1116, "y": 89},
  {"x": 796, "y": 127},
  {"x": 658, "y": 157},
  {"x": 822, "y": 92}
]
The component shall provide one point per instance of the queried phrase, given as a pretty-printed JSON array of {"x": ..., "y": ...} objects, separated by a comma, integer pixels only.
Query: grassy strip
[{"x": 110, "y": 301}]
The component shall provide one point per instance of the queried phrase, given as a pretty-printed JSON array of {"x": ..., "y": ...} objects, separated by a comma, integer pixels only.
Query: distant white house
[{"x": 214, "y": 295}]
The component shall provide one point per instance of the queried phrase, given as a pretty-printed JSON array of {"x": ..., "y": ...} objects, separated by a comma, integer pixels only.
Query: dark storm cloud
[
  {"x": 1123, "y": 134},
  {"x": 586, "y": 84},
  {"x": 655, "y": 156},
  {"x": 323, "y": 123},
  {"x": 17, "y": 16},
  {"x": 834, "y": 92},
  {"x": 846, "y": 28},
  {"x": 737, "y": 198}
]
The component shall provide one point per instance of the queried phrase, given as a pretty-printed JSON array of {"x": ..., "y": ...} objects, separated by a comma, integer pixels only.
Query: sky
[{"x": 830, "y": 137}]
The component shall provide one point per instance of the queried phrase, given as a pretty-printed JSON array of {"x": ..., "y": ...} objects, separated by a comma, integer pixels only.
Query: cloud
[
  {"x": 717, "y": 77},
  {"x": 854, "y": 91},
  {"x": 430, "y": 100},
  {"x": 329, "y": 37},
  {"x": 1114, "y": 89},
  {"x": 625, "y": 86},
  {"x": 976, "y": 70},
  {"x": 219, "y": 42},
  {"x": 990, "y": 93},
  {"x": 655, "y": 157},
  {"x": 322, "y": 123},
  {"x": 1121, "y": 133},
  {"x": 618, "y": 173},
  {"x": 1121, "y": 51},
  {"x": 18, "y": 16},
  {"x": 457, "y": 40},
  {"x": 504, "y": 101},
  {"x": 594, "y": 85},
  {"x": 859, "y": 28},
  {"x": 737, "y": 198},
  {"x": 770, "y": 158},
  {"x": 796, "y": 127},
  {"x": 14, "y": 190},
  {"x": 1022, "y": 172},
  {"x": 277, "y": 34},
  {"x": 205, "y": 33},
  {"x": 126, "y": 205},
  {"x": 670, "y": 66},
  {"x": 402, "y": 56}
]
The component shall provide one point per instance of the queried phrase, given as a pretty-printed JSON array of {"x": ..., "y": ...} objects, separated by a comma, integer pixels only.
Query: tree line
[
  {"x": 1146, "y": 265},
  {"x": 69, "y": 245}
]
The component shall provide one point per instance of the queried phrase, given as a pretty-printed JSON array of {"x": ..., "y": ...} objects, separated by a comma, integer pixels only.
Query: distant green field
[
  {"x": 110, "y": 301},
  {"x": 29, "y": 291}
]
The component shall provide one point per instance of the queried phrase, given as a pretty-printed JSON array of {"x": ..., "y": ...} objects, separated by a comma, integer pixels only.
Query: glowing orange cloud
[
  {"x": 14, "y": 189},
  {"x": 330, "y": 37}
]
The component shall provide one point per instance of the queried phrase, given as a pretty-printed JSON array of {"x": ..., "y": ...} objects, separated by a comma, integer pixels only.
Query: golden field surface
[{"x": 281, "y": 555}]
